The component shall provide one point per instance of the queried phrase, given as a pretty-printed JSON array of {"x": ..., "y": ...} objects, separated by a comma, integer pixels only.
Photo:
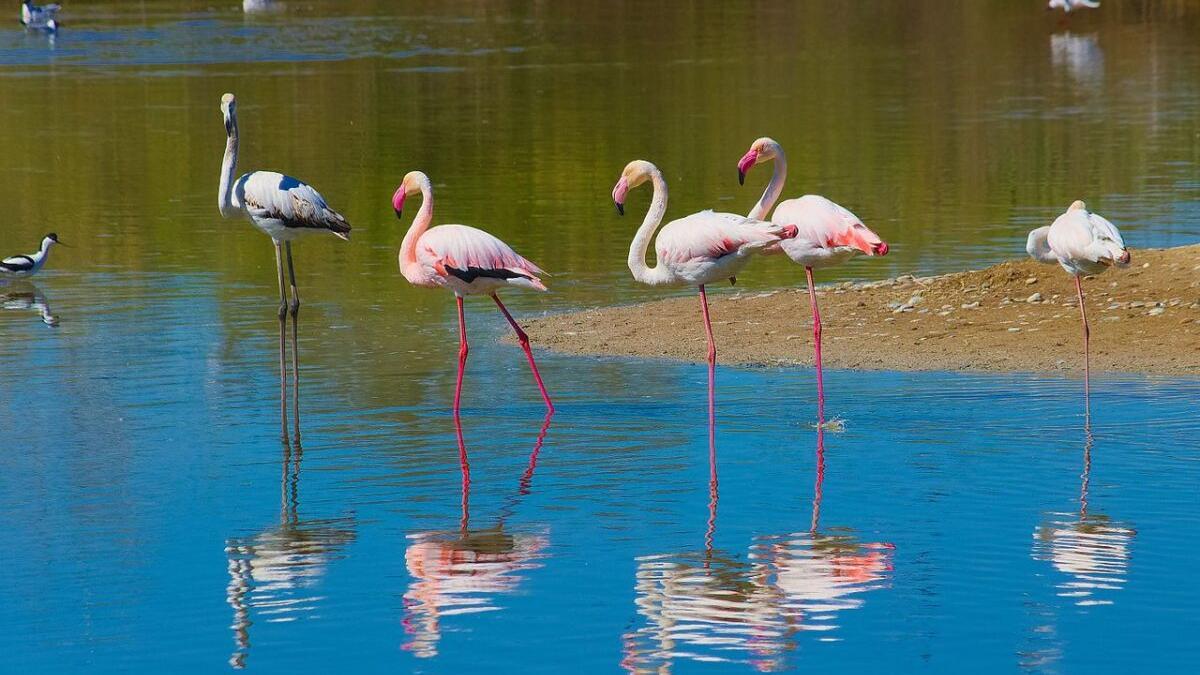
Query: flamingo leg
[
  {"x": 712, "y": 345},
  {"x": 812, "y": 298},
  {"x": 710, "y": 531},
  {"x": 282, "y": 346},
  {"x": 462, "y": 353},
  {"x": 524, "y": 340},
  {"x": 294, "y": 308},
  {"x": 465, "y": 467},
  {"x": 1086, "y": 333}
]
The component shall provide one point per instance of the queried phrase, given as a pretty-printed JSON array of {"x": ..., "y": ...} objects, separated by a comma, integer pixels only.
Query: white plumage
[
  {"x": 28, "y": 265},
  {"x": 36, "y": 16}
]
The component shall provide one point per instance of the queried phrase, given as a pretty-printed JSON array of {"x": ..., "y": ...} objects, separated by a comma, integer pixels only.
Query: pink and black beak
[
  {"x": 618, "y": 195},
  {"x": 398, "y": 201},
  {"x": 748, "y": 160},
  {"x": 880, "y": 248}
]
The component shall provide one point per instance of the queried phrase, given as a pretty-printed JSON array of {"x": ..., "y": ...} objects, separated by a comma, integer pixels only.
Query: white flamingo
[
  {"x": 828, "y": 233},
  {"x": 285, "y": 209},
  {"x": 1068, "y": 5},
  {"x": 1084, "y": 244},
  {"x": 694, "y": 250}
]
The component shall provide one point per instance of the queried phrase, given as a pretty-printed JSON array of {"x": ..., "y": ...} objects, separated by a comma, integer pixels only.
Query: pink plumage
[{"x": 465, "y": 260}]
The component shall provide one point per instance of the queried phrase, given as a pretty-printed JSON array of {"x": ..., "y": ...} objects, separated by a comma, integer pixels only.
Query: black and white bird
[
  {"x": 28, "y": 265},
  {"x": 42, "y": 16}
]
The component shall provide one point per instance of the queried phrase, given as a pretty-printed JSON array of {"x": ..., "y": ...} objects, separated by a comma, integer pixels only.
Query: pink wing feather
[
  {"x": 462, "y": 247},
  {"x": 711, "y": 235}
]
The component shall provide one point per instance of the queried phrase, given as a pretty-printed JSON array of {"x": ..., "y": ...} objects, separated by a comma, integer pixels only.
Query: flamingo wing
[
  {"x": 824, "y": 224},
  {"x": 269, "y": 195},
  {"x": 712, "y": 235},
  {"x": 468, "y": 253}
]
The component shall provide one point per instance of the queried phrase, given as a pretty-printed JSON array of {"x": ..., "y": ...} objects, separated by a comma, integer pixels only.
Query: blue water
[{"x": 154, "y": 521}]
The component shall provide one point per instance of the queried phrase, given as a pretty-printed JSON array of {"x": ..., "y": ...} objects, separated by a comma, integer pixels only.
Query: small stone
[
  {"x": 1156, "y": 311},
  {"x": 971, "y": 305},
  {"x": 895, "y": 304},
  {"x": 1137, "y": 303},
  {"x": 1031, "y": 281},
  {"x": 1014, "y": 329},
  {"x": 1036, "y": 297},
  {"x": 944, "y": 312},
  {"x": 1145, "y": 265}
]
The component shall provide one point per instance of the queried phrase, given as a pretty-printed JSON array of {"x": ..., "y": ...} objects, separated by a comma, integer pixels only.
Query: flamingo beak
[
  {"x": 748, "y": 160},
  {"x": 618, "y": 195},
  {"x": 879, "y": 249},
  {"x": 398, "y": 201}
]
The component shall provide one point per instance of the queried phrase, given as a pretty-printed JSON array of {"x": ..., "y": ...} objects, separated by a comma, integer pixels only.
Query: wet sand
[{"x": 1015, "y": 316}]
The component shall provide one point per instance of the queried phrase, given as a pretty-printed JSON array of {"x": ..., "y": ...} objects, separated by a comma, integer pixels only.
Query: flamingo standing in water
[
  {"x": 828, "y": 234},
  {"x": 467, "y": 261},
  {"x": 694, "y": 250},
  {"x": 1084, "y": 244},
  {"x": 285, "y": 209}
]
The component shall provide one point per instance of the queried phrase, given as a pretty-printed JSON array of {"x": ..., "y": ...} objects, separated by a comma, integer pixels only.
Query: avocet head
[
  {"x": 636, "y": 172},
  {"x": 762, "y": 150},
  {"x": 411, "y": 185},
  {"x": 51, "y": 239}
]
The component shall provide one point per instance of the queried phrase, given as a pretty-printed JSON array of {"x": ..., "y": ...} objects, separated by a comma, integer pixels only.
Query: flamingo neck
[
  {"x": 641, "y": 241},
  {"x": 771, "y": 194},
  {"x": 409, "y": 266},
  {"x": 228, "y": 166}
]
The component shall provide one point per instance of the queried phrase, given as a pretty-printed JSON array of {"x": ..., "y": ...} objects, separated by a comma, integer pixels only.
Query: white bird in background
[
  {"x": 28, "y": 265},
  {"x": 285, "y": 209},
  {"x": 36, "y": 16},
  {"x": 1084, "y": 244},
  {"x": 1068, "y": 5}
]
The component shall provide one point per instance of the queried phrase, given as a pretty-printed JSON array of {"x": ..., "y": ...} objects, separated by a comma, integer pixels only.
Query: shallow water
[{"x": 153, "y": 520}]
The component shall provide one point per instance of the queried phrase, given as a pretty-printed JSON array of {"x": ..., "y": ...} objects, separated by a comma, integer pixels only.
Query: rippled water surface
[{"x": 152, "y": 520}]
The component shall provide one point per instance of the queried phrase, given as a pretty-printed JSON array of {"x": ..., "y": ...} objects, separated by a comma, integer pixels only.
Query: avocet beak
[{"x": 748, "y": 160}]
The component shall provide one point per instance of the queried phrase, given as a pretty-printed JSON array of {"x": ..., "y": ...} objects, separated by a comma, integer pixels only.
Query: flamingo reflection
[
  {"x": 720, "y": 607},
  {"x": 461, "y": 571},
  {"x": 1080, "y": 56},
  {"x": 275, "y": 574},
  {"x": 1091, "y": 548},
  {"x": 25, "y": 297}
]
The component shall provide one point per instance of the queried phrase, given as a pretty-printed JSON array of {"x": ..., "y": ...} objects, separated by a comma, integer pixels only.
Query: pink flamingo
[
  {"x": 1084, "y": 244},
  {"x": 467, "y": 261},
  {"x": 828, "y": 234},
  {"x": 694, "y": 250}
]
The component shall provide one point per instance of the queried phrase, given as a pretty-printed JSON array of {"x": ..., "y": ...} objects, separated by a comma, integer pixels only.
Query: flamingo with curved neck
[
  {"x": 694, "y": 250},
  {"x": 828, "y": 234},
  {"x": 467, "y": 261}
]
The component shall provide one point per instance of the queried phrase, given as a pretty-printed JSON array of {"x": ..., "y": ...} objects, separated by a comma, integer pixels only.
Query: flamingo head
[
  {"x": 636, "y": 172},
  {"x": 229, "y": 110},
  {"x": 410, "y": 185},
  {"x": 763, "y": 150}
]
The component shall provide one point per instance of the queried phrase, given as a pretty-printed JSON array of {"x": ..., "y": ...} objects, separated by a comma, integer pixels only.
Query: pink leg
[
  {"x": 710, "y": 532},
  {"x": 712, "y": 345},
  {"x": 462, "y": 352},
  {"x": 465, "y": 467},
  {"x": 1083, "y": 315},
  {"x": 812, "y": 298},
  {"x": 524, "y": 340}
]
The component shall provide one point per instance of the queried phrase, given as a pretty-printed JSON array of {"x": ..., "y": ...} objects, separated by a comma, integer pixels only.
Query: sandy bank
[{"x": 1015, "y": 316}]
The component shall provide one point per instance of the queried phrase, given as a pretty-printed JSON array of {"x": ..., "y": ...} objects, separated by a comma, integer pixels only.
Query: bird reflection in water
[
  {"x": 1080, "y": 56},
  {"x": 1092, "y": 549},
  {"x": 713, "y": 606},
  {"x": 24, "y": 296},
  {"x": 275, "y": 574},
  {"x": 461, "y": 571}
]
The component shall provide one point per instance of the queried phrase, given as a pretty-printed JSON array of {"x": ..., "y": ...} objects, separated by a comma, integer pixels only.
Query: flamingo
[
  {"x": 694, "y": 250},
  {"x": 1084, "y": 244},
  {"x": 828, "y": 234},
  {"x": 1068, "y": 5},
  {"x": 284, "y": 208},
  {"x": 467, "y": 261}
]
